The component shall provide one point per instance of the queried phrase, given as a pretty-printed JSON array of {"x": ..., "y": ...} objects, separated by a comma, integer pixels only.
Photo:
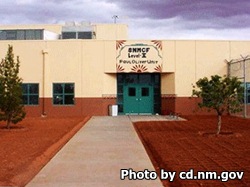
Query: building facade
[{"x": 82, "y": 69}]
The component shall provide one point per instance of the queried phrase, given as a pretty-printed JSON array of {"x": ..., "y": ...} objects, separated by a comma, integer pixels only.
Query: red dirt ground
[
  {"x": 182, "y": 145},
  {"x": 29, "y": 145}
]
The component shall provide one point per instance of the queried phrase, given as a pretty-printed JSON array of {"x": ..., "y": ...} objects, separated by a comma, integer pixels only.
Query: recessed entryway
[{"x": 138, "y": 93}]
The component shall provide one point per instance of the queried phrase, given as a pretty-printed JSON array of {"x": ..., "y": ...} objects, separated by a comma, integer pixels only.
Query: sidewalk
[{"x": 95, "y": 156}]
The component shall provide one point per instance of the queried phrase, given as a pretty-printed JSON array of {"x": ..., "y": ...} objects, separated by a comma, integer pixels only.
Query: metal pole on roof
[{"x": 115, "y": 17}]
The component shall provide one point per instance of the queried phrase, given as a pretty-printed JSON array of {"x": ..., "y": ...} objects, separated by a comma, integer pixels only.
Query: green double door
[{"x": 138, "y": 99}]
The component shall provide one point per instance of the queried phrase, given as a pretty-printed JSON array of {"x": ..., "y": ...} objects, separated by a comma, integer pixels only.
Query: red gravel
[
  {"x": 182, "y": 145},
  {"x": 29, "y": 145}
]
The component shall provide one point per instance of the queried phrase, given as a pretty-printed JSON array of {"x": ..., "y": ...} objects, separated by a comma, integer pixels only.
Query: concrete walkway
[{"x": 95, "y": 156}]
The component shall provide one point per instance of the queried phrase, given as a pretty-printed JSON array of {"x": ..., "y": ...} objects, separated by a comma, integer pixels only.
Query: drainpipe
[{"x": 44, "y": 52}]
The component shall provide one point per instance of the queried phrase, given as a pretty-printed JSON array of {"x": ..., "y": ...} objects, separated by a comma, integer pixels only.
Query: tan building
[{"x": 81, "y": 69}]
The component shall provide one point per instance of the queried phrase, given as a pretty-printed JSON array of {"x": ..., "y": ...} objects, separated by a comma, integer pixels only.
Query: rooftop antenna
[{"x": 115, "y": 17}]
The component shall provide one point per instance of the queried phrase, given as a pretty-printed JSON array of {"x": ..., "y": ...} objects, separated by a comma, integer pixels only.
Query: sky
[{"x": 146, "y": 19}]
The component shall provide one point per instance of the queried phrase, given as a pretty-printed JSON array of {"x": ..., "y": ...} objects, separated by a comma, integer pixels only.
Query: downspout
[{"x": 44, "y": 52}]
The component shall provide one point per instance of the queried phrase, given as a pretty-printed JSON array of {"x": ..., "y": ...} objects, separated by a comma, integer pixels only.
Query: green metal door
[
  {"x": 138, "y": 99},
  {"x": 145, "y": 99},
  {"x": 131, "y": 99}
]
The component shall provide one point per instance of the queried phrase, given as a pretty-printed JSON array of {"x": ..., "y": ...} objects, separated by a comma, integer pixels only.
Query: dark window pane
[
  {"x": 69, "y": 100},
  {"x": 157, "y": 78},
  {"x": 25, "y": 99},
  {"x": 69, "y": 88},
  {"x": 11, "y": 35},
  {"x": 69, "y": 35},
  {"x": 131, "y": 91},
  {"x": 120, "y": 89},
  {"x": 145, "y": 78},
  {"x": 33, "y": 89},
  {"x": 58, "y": 99},
  {"x": 33, "y": 100},
  {"x": 25, "y": 88},
  {"x": 120, "y": 108},
  {"x": 131, "y": 78},
  {"x": 3, "y": 35},
  {"x": 156, "y": 90},
  {"x": 157, "y": 108},
  {"x": 30, "y": 35},
  {"x": 144, "y": 92},
  {"x": 157, "y": 98},
  {"x": 248, "y": 93},
  {"x": 84, "y": 35},
  {"x": 58, "y": 88},
  {"x": 120, "y": 78},
  {"x": 20, "y": 35},
  {"x": 120, "y": 99},
  {"x": 38, "y": 34}
]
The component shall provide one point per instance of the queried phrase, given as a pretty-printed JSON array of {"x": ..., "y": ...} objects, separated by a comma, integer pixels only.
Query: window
[
  {"x": 20, "y": 35},
  {"x": 63, "y": 94},
  {"x": 3, "y": 35},
  {"x": 84, "y": 35},
  {"x": 30, "y": 94},
  {"x": 28, "y": 34},
  {"x": 131, "y": 92},
  {"x": 144, "y": 79},
  {"x": 76, "y": 35},
  {"x": 68, "y": 35},
  {"x": 144, "y": 92},
  {"x": 11, "y": 35},
  {"x": 248, "y": 93}
]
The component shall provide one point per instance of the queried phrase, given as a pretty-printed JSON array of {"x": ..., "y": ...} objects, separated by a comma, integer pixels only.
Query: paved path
[{"x": 95, "y": 156}]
